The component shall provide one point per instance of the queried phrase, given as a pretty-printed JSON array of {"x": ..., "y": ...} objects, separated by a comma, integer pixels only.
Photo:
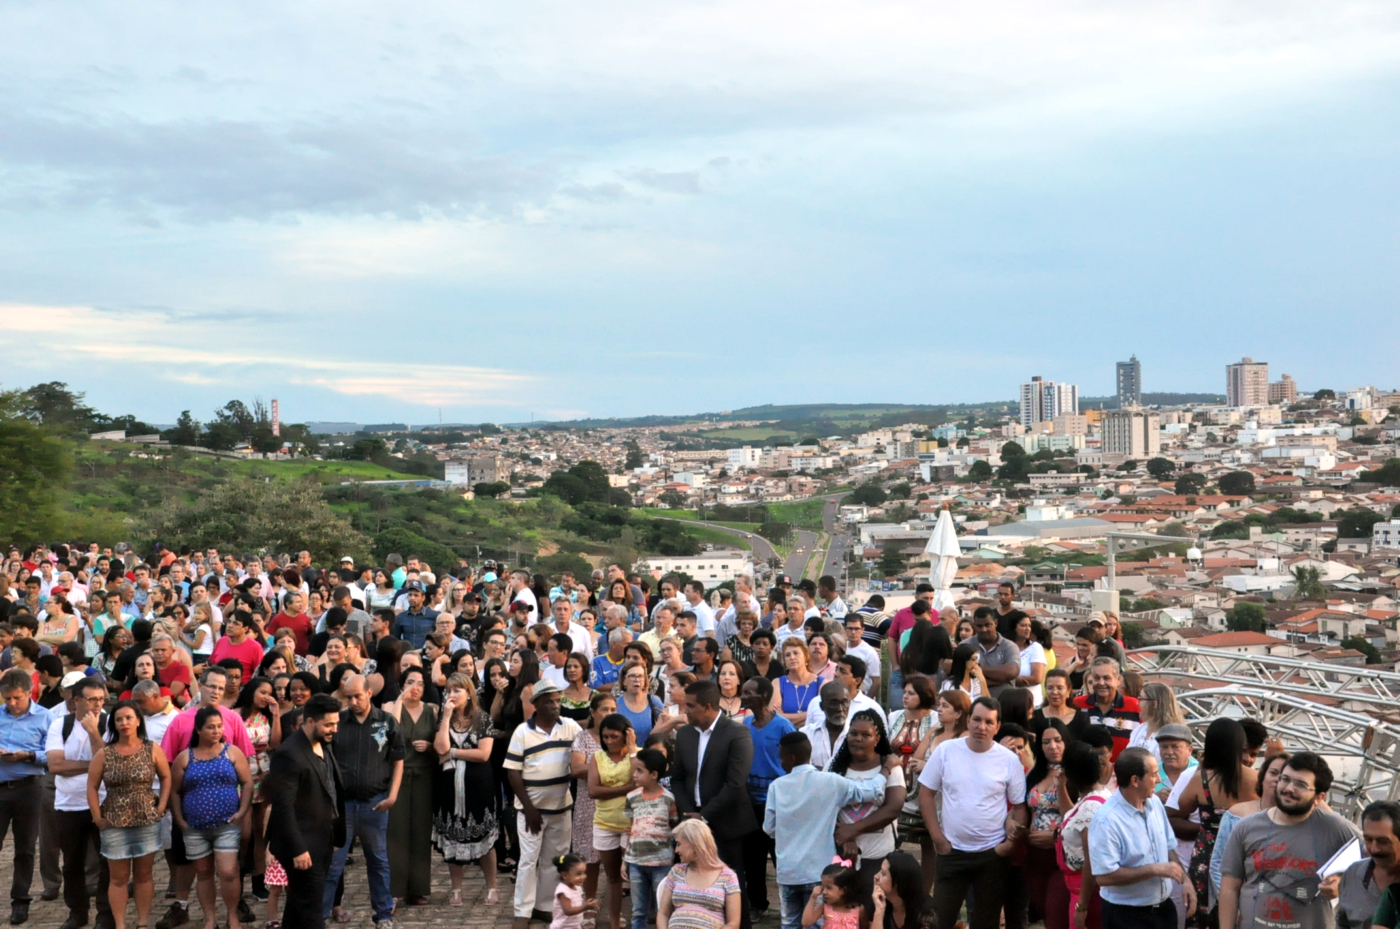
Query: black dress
[{"x": 465, "y": 823}]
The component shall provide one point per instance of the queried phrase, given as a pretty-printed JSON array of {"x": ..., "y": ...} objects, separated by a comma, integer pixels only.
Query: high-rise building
[
  {"x": 1043, "y": 400},
  {"x": 1247, "y": 383},
  {"x": 1283, "y": 391},
  {"x": 1129, "y": 383},
  {"x": 1134, "y": 432}
]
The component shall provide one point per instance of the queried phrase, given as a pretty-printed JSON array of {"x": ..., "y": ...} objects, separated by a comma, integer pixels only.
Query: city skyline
[{"x": 633, "y": 209}]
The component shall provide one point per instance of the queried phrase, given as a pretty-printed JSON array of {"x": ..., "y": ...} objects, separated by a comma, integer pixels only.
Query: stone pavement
[{"x": 437, "y": 914}]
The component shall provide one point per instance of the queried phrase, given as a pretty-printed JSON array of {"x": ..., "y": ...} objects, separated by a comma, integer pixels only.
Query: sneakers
[
  {"x": 177, "y": 915},
  {"x": 383, "y": 924},
  {"x": 245, "y": 912},
  {"x": 260, "y": 888}
]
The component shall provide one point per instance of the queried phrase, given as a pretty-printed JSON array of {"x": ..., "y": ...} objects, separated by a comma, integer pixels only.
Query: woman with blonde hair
[
  {"x": 700, "y": 892},
  {"x": 1158, "y": 706},
  {"x": 796, "y": 689}
]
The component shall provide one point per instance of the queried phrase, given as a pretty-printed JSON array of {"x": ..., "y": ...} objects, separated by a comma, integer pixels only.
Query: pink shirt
[
  {"x": 181, "y": 732},
  {"x": 248, "y": 652},
  {"x": 903, "y": 620}
]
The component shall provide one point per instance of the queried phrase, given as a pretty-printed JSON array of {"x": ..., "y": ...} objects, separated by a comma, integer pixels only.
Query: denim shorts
[
  {"x": 201, "y": 843},
  {"x": 119, "y": 842}
]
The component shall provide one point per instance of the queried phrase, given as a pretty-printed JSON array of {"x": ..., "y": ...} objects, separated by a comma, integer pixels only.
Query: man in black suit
[
  {"x": 711, "y": 774},
  {"x": 308, "y": 810}
]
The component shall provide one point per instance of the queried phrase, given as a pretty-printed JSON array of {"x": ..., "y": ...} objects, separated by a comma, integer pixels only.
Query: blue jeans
[
  {"x": 373, "y": 829},
  {"x": 645, "y": 881},
  {"x": 896, "y": 700},
  {"x": 793, "y": 898}
]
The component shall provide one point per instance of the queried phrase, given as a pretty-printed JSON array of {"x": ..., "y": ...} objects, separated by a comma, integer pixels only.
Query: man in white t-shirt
[
  {"x": 520, "y": 592},
  {"x": 835, "y": 607},
  {"x": 73, "y": 739},
  {"x": 562, "y": 619},
  {"x": 978, "y": 781},
  {"x": 556, "y": 654},
  {"x": 695, "y": 602}
]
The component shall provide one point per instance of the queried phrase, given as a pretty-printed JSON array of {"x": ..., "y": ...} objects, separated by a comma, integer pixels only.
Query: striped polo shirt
[
  {"x": 543, "y": 760},
  {"x": 1120, "y": 720}
]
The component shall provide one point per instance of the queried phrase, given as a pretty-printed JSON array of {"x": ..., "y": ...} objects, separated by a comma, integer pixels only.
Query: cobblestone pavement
[{"x": 51, "y": 915}]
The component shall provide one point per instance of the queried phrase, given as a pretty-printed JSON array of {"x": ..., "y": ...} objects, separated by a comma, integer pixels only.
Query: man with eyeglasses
[{"x": 1269, "y": 869}]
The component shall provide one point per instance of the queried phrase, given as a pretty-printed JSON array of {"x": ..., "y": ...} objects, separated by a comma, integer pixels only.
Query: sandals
[
  {"x": 493, "y": 897},
  {"x": 455, "y": 899}
]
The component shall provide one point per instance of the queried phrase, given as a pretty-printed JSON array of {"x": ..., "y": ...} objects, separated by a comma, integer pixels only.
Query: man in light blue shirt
[
  {"x": 801, "y": 818},
  {"x": 1132, "y": 850},
  {"x": 24, "y": 730}
]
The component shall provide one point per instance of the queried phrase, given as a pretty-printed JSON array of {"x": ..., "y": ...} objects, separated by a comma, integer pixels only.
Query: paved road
[
  {"x": 802, "y": 545},
  {"x": 762, "y": 551},
  {"x": 840, "y": 541}
]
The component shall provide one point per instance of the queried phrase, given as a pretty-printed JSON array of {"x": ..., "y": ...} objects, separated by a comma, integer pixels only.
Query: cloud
[
  {"x": 141, "y": 338},
  {"x": 673, "y": 182}
]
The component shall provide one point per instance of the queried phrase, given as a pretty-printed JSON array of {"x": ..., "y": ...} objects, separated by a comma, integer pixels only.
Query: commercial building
[
  {"x": 743, "y": 458},
  {"x": 1134, "y": 432},
  {"x": 712, "y": 568},
  {"x": 1247, "y": 383},
  {"x": 1283, "y": 391},
  {"x": 1129, "y": 383},
  {"x": 1043, "y": 400}
]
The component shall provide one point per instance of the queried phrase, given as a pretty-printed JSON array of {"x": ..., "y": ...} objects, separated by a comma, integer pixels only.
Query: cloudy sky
[{"x": 555, "y": 209}]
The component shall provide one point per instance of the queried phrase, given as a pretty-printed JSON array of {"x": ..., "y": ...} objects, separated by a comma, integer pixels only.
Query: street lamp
[{"x": 1126, "y": 541}]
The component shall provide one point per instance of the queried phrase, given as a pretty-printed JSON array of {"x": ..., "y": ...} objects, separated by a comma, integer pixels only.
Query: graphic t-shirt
[
  {"x": 650, "y": 844},
  {"x": 1278, "y": 865}
]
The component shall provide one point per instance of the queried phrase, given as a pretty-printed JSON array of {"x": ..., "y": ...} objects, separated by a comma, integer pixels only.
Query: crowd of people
[{"x": 255, "y": 719}]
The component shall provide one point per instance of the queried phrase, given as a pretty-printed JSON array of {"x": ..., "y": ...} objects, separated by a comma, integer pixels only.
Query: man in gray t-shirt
[
  {"x": 1269, "y": 868},
  {"x": 999, "y": 657}
]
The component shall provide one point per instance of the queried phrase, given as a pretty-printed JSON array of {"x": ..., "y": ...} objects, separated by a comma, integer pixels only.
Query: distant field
[
  {"x": 749, "y": 434},
  {"x": 662, "y": 511}
]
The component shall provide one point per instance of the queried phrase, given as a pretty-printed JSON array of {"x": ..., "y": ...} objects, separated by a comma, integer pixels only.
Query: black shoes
[
  {"x": 73, "y": 922},
  {"x": 245, "y": 912},
  {"x": 19, "y": 913},
  {"x": 177, "y": 915}
]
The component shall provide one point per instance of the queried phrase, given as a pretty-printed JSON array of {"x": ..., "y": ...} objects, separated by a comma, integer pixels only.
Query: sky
[{"x": 552, "y": 210}]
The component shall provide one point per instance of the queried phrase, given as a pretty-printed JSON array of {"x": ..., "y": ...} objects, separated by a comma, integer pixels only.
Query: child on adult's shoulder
[
  {"x": 839, "y": 901},
  {"x": 569, "y": 903}
]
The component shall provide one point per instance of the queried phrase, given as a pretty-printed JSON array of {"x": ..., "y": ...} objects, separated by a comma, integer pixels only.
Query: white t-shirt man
[
  {"x": 70, "y": 792},
  {"x": 704, "y": 618},
  {"x": 871, "y": 658},
  {"x": 977, "y": 788}
]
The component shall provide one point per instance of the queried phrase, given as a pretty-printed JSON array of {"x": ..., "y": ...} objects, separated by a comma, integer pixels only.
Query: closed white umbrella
[{"x": 943, "y": 551}]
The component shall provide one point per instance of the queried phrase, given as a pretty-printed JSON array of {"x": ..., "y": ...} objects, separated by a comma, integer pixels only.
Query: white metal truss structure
[
  {"x": 1360, "y": 689},
  {"x": 1340, "y": 712},
  {"x": 1364, "y": 753}
]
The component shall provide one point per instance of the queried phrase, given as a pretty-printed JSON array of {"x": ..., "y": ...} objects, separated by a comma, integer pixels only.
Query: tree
[
  {"x": 61, "y": 410},
  {"x": 34, "y": 463},
  {"x": 1190, "y": 484},
  {"x": 1230, "y": 529},
  {"x": 634, "y": 456},
  {"x": 869, "y": 494},
  {"x": 1245, "y": 616},
  {"x": 672, "y": 498},
  {"x": 186, "y": 431},
  {"x": 1146, "y": 605},
  {"x": 892, "y": 562},
  {"x": 367, "y": 449},
  {"x": 1387, "y": 475},
  {"x": 1160, "y": 468},
  {"x": 491, "y": 489},
  {"x": 258, "y": 516},
  {"x": 1129, "y": 465},
  {"x": 560, "y": 562},
  {"x": 902, "y": 512},
  {"x": 1237, "y": 484},
  {"x": 980, "y": 471},
  {"x": 1307, "y": 584},
  {"x": 1373, "y": 656},
  {"x": 1133, "y": 636},
  {"x": 1325, "y": 394},
  {"x": 1356, "y": 523},
  {"x": 900, "y": 491}
]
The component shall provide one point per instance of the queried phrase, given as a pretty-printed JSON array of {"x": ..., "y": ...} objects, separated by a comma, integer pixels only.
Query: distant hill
[{"x": 806, "y": 418}]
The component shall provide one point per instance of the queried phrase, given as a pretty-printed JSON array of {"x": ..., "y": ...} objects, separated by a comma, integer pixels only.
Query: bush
[{"x": 407, "y": 542}]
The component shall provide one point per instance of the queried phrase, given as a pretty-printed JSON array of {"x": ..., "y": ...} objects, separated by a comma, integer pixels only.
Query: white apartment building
[
  {"x": 1386, "y": 535},
  {"x": 711, "y": 568},
  {"x": 473, "y": 471},
  {"x": 1134, "y": 432},
  {"x": 1043, "y": 400},
  {"x": 1247, "y": 383},
  {"x": 744, "y": 458}
]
